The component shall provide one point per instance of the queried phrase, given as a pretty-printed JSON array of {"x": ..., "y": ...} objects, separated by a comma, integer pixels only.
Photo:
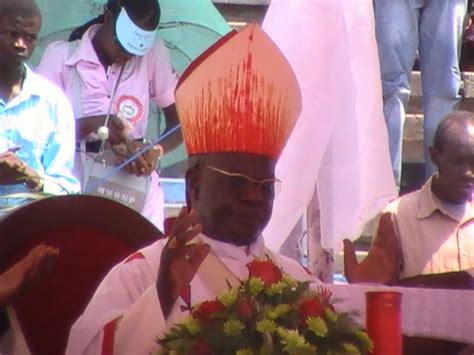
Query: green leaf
[
  {"x": 244, "y": 352},
  {"x": 294, "y": 343},
  {"x": 350, "y": 349},
  {"x": 229, "y": 298},
  {"x": 366, "y": 341},
  {"x": 192, "y": 326},
  {"x": 290, "y": 281},
  {"x": 232, "y": 327},
  {"x": 330, "y": 315},
  {"x": 266, "y": 326},
  {"x": 255, "y": 285},
  {"x": 318, "y": 326},
  {"x": 276, "y": 288},
  {"x": 177, "y": 344},
  {"x": 278, "y": 311}
]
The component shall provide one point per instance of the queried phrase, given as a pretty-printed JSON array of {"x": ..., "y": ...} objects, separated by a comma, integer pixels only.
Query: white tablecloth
[{"x": 433, "y": 313}]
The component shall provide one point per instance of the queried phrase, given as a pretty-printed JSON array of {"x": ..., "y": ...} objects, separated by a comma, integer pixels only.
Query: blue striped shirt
[{"x": 40, "y": 121}]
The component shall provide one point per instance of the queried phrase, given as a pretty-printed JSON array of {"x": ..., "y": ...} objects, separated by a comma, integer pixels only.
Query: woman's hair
[{"x": 139, "y": 10}]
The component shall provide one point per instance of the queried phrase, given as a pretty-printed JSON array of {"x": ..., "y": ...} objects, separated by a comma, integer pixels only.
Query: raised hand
[
  {"x": 382, "y": 263},
  {"x": 26, "y": 273},
  {"x": 180, "y": 260}
]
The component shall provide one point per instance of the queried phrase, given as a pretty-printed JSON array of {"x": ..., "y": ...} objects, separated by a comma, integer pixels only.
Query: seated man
[
  {"x": 236, "y": 112},
  {"x": 36, "y": 120},
  {"x": 431, "y": 230}
]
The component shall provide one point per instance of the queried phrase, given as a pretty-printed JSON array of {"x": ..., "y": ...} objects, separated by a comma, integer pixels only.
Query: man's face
[
  {"x": 18, "y": 37},
  {"x": 231, "y": 208},
  {"x": 456, "y": 167}
]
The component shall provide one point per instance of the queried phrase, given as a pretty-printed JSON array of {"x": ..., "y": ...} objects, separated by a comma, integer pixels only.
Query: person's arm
[
  {"x": 172, "y": 141},
  {"x": 58, "y": 154},
  {"x": 90, "y": 124},
  {"x": 130, "y": 307},
  {"x": 163, "y": 84},
  {"x": 383, "y": 262}
]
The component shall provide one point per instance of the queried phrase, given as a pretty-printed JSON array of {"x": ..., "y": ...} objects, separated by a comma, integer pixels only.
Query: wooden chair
[{"x": 93, "y": 234}]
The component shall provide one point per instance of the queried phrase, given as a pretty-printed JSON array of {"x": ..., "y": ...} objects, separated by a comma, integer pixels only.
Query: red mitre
[{"x": 241, "y": 95}]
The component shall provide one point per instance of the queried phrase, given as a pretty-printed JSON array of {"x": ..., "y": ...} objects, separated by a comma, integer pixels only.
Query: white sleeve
[
  {"x": 124, "y": 311},
  {"x": 137, "y": 331}
]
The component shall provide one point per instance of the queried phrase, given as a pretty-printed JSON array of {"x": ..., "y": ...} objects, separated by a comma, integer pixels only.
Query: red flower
[
  {"x": 206, "y": 309},
  {"x": 245, "y": 309},
  {"x": 201, "y": 348},
  {"x": 267, "y": 271},
  {"x": 310, "y": 308}
]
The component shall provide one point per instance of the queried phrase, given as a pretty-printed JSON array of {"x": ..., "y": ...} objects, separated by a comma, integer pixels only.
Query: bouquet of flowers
[{"x": 267, "y": 314}]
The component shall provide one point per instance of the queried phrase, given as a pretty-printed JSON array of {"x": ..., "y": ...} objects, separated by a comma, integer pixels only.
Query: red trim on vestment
[
  {"x": 308, "y": 271},
  {"x": 134, "y": 256},
  {"x": 109, "y": 335}
]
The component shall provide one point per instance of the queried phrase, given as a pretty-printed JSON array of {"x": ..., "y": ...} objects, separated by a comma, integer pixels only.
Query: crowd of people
[{"x": 236, "y": 114}]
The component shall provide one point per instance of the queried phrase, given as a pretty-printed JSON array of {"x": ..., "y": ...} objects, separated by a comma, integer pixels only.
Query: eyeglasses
[{"x": 240, "y": 182}]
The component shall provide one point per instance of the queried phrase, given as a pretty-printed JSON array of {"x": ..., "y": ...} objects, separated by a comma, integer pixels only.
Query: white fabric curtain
[{"x": 340, "y": 142}]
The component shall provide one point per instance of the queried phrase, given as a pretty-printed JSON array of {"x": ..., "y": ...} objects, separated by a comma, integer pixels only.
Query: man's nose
[
  {"x": 20, "y": 43},
  {"x": 470, "y": 173},
  {"x": 253, "y": 192}
]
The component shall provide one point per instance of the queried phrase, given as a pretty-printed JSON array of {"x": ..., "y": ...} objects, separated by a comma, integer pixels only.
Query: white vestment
[{"x": 128, "y": 294}]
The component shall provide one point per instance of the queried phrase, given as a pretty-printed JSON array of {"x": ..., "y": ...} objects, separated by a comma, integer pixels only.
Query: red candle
[{"x": 384, "y": 322}]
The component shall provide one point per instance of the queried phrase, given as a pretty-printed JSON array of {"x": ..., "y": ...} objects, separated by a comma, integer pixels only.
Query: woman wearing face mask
[{"x": 111, "y": 67}]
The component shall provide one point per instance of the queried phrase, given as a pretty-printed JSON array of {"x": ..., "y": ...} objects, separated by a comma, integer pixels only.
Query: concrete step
[
  {"x": 413, "y": 130},
  {"x": 467, "y": 84},
  {"x": 240, "y": 12},
  {"x": 413, "y": 139}
]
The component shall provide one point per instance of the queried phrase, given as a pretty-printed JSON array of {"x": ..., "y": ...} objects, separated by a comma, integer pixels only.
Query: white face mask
[{"x": 133, "y": 39}]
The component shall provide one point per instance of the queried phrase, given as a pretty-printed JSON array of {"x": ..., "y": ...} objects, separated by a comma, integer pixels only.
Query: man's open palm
[{"x": 383, "y": 260}]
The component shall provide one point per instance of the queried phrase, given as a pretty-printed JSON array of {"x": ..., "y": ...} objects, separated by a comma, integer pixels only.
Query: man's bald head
[
  {"x": 24, "y": 8},
  {"x": 452, "y": 128},
  {"x": 453, "y": 154}
]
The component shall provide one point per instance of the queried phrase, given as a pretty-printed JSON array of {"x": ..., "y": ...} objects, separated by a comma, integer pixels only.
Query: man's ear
[
  {"x": 193, "y": 177},
  {"x": 435, "y": 156}
]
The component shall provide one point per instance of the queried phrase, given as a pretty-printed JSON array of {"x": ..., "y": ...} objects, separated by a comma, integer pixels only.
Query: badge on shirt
[{"x": 130, "y": 107}]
